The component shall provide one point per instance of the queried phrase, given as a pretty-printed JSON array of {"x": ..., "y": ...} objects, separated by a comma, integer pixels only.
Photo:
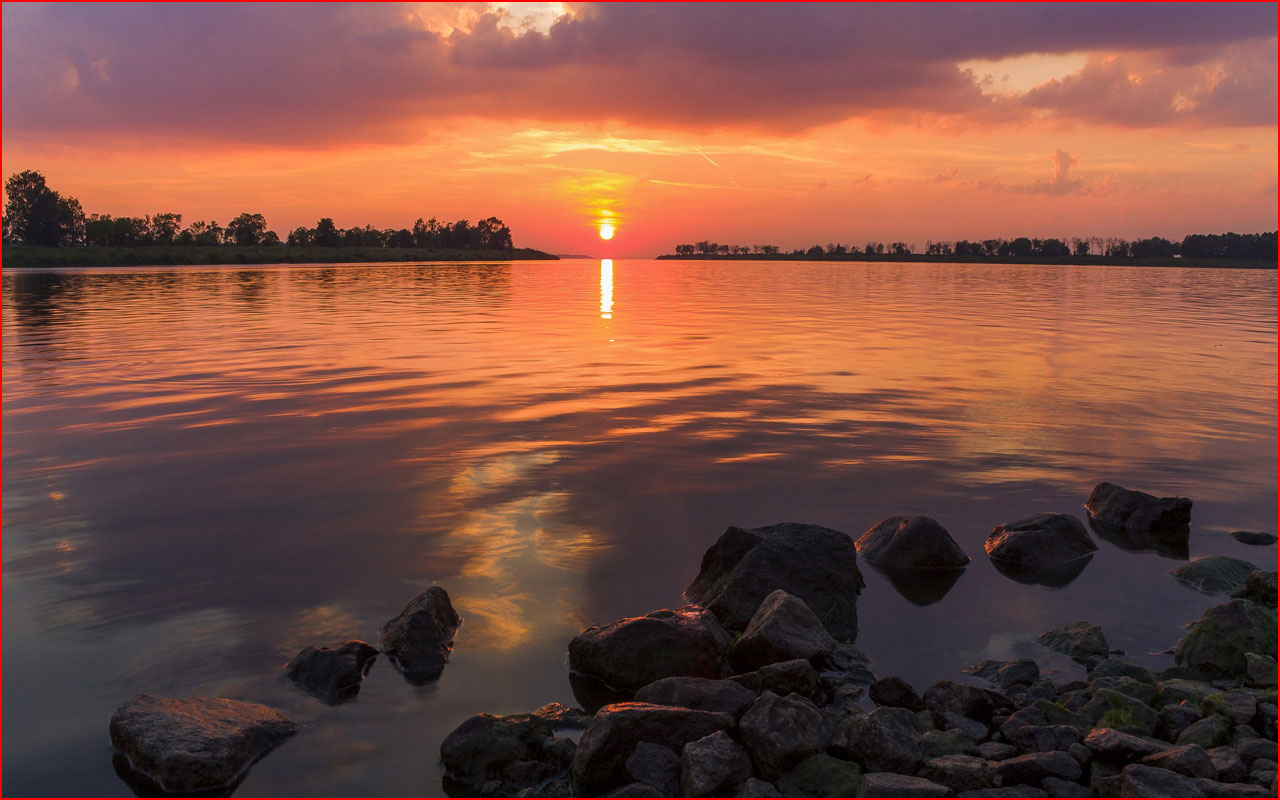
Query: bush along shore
[
  {"x": 185, "y": 255},
  {"x": 755, "y": 688}
]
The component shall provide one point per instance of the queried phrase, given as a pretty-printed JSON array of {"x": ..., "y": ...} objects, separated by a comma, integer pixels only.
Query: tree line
[
  {"x": 34, "y": 214},
  {"x": 1249, "y": 246}
]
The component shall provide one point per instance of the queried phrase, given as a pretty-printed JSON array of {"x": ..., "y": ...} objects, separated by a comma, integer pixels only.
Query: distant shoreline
[
  {"x": 195, "y": 255},
  {"x": 1073, "y": 261}
]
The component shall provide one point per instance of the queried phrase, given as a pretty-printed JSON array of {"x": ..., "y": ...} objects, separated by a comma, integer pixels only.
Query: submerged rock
[
  {"x": 1083, "y": 641},
  {"x": 332, "y": 673},
  {"x": 911, "y": 543},
  {"x": 1050, "y": 549},
  {"x": 633, "y": 652},
  {"x": 782, "y": 629},
  {"x": 195, "y": 745},
  {"x": 1253, "y": 537},
  {"x": 504, "y": 755},
  {"x": 819, "y": 565},
  {"x": 1213, "y": 574},
  {"x": 418, "y": 640},
  {"x": 1215, "y": 647},
  {"x": 1121, "y": 509},
  {"x": 1260, "y": 587}
]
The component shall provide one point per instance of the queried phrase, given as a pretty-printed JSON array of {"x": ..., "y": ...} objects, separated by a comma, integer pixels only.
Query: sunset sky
[{"x": 786, "y": 124}]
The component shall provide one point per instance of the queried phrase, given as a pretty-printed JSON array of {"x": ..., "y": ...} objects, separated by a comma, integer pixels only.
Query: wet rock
[
  {"x": 920, "y": 587},
  {"x": 1121, "y": 509},
  {"x": 1110, "y": 709},
  {"x": 1214, "y": 574},
  {"x": 1033, "y": 768},
  {"x": 703, "y": 694},
  {"x": 882, "y": 740},
  {"x": 419, "y": 638},
  {"x": 1111, "y": 746},
  {"x": 561, "y": 716},
  {"x": 1228, "y": 764},
  {"x": 1119, "y": 668},
  {"x": 1083, "y": 641},
  {"x": 634, "y": 652},
  {"x": 1253, "y": 537},
  {"x": 1056, "y": 787},
  {"x": 1258, "y": 586},
  {"x": 713, "y": 766},
  {"x": 195, "y": 745},
  {"x": 786, "y": 677},
  {"x": 615, "y": 730},
  {"x": 959, "y": 773},
  {"x": 997, "y": 751},
  {"x": 491, "y": 755},
  {"x": 911, "y": 543},
  {"x": 821, "y": 775},
  {"x": 754, "y": 787},
  {"x": 1259, "y": 671},
  {"x": 656, "y": 766},
  {"x": 782, "y": 629},
  {"x": 1139, "y": 780},
  {"x": 1174, "y": 719},
  {"x": 1212, "y": 731},
  {"x": 780, "y": 732},
  {"x": 1189, "y": 759},
  {"x": 1046, "y": 738},
  {"x": 332, "y": 673},
  {"x": 961, "y": 698},
  {"x": 888, "y": 784},
  {"x": 1041, "y": 541},
  {"x": 895, "y": 692},
  {"x": 819, "y": 565},
  {"x": 946, "y": 743},
  {"x": 1018, "y": 671}
]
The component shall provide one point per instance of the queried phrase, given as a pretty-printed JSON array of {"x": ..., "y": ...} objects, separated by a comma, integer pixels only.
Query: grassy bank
[
  {"x": 161, "y": 255},
  {"x": 1222, "y": 263}
]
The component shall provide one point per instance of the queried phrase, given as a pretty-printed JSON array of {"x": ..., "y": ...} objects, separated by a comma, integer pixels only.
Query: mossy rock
[
  {"x": 1215, "y": 574},
  {"x": 946, "y": 743},
  {"x": 822, "y": 776},
  {"x": 1216, "y": 646},
  {"x": 1058, "y": 714}
]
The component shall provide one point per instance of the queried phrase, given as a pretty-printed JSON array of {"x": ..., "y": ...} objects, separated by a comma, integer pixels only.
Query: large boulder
[
  {"x": 332, "y": 673},
  {"x": 1216, "y": 646},
  {"x": 960, "y": 773},
  {"x": 1045, "y": 548},
  {"x": 634, "y": 652},
  {"x": 1258, "y": 586},
  {"x": 782, "y": 629},
  {"x": 894, "y": 692},
  {"x": 1116, "y": 748},
  {"x": 819, "y": 565},
  {"x": 703, "y": 694},
  {"x": 195, "y": 745},
  {"x": 1115, "y": 507},
  {"x": 510, "y": 754},
  {"x": 1032, "y": 768},
  {"x": 911, "y": 543},
  {"x": 1214, "y": 574},
  {"x": 1083, "y": 641},
  {"x": 882, "y": 740},
  {"x": 713, "y": 766},
  {"x": 419, "y": 638},
  {"x": 615, "y": 730},
  {"x": 786, "y": 677},
  {"x": 780, "y": 732},
  {"x": 961, "y": 698},
  {"x": 1140, "y": 780},
  {"x": 656, "y": 766},
  {"x": 1258, "y": 538},
  {"x": 1191, "y": 760}
]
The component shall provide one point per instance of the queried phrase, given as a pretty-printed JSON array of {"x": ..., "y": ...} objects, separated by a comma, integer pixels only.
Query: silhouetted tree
[
  {"x": 246, "y": 230},
  {"x": 40, "y": 216},
  {"x": 326, "y": 234}
]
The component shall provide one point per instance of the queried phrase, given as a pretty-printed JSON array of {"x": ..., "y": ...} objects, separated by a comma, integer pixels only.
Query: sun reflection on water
[{"x": 606, "y": 288}]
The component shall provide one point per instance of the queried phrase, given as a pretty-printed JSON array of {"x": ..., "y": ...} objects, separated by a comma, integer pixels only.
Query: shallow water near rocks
[{"x": 207, "y": 469}]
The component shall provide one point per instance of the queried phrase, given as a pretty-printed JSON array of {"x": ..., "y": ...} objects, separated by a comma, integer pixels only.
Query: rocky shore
[{"x": 755, "y": 688}]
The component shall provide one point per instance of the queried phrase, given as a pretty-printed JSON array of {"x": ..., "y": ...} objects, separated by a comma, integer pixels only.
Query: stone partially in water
[
  {"x": 911, "y": 543},
  {"x": 1260, "y": 587},
  {"x": 819, "y": 565},
  {"x": 1257, "y": 538},
  {"x": 920, "y": 587},
  {"x": 504, "y": 755},
  {"x": 1216, "y": 646},
  {"x": 634, "y": 652},
  {"x": 1121, "y": 509},
  {"x": 1215, "y": 574},
  {"x": 419, "y": 638},
  {"x": 332, "y": 673},
  {"x": 782, "y": 629},
  {"x": 195, "y": 745},
  {"x": 1050, "y": 549},
  {"x": 1083, "y": 641}
]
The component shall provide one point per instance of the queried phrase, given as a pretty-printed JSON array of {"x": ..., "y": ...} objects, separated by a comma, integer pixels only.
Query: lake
[{"x": 209, "y": 468}]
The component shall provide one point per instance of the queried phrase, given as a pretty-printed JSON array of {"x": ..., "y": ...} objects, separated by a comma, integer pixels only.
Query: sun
[{"x": 606, "y": 231}]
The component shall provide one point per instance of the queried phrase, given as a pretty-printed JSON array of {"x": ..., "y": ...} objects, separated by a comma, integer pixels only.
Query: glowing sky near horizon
[{"x": 669, "y": 123}]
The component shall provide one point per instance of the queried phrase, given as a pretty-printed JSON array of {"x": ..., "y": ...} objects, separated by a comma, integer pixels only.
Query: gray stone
[
  {"x": 1210, "y": 732},
  {"x": 951, "y": 721},
  {"x": 888, "y": 784},
  {"x": 1024, "y": 717},
  {"x": 1032, "y": 768},
  {"x": 656, "y": 766},
  {"x": 1082, "y": 641},
  {"x": 754, "y": 787},
  {"x": 1017, "y": 671},
  {"x": 1189, "y": 759},
  {"x": 959, "y": 773},
  {"x": 1211, "y": 788},
  {"x": 630, "y": 790},
  {"x": 1132, "y": 512},
  {"x": 1228, "y": 764},
  {"x": 1174, "y": 719},
  {"x": 1253, "y": 537},
  {"x": 1109, "y": 709},
  {"x": 1021, "y": 790},
  {"x": 506, "y": 754},
  {"x": 1213, "y": 574},
  {"x": 333, "y": 673},
  {"x": 1038, "y": 547},
  {"x": 1258, "y": 586},
  {"x": 1139, "y": 780},
  {"x": 780, "y": 732},
  {"x": 1080, "y": 753},
  {"x": 1215, "y": 647},
  {"x": 1181, "y": 690},
  {"x": 703, "y": 694},
  {"x": 911, "y": 543},
  {"x": 882, "y": 740},
  {"x": 786, "y": 677},
  {"x": 997, "y": 751},
  {"x": 1046, "y": 738},
  {"x": 782, "y": 629},
  {"x": 946, "y": 743},
  {"x": 634, "y": 652},
  {"x": 819, "y": 565},
  {"x": 961, "y": 698},
  {"x": 1251, "y": 750},
  {"x": 1119, "y": 668},
  {"x": 1241, "y": 706},
  {"x": 820, "y": 775},
  {"x": 419, "y": 638},
  {"x": 1056, "y": 787},
  {"x": 615, "y": 730},
  {"x": 195, "y": 745},
  {"x": 1146, "y": 692},
  {"x": 1115, "y": 747},
  {"x": 1259, "y": 671},
  {"x": 713, "y": 766},
  {"x": 894, "y": 692}
]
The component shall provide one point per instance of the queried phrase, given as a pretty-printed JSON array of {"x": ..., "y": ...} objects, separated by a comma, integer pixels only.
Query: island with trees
[{"x": 43, "y": 228}]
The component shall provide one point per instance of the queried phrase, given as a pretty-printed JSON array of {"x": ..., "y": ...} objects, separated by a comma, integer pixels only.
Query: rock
[
  {"x": 1005, "y": 791},
  {"x": 888, "y": 784},
  {"x": 1080, "y": 753},
  {"x": 782, "y": 629},
  {"x": 951, "y": 721},
  {"x": 1046, "y": 738},
  {"x": 1210, "y": 788},
  {"x": 819, "y": 565},
  {"x": 1083, "y": 641},
  {"x": 1110, "y": 709},
  {"x": 920, "y": 587},
  {"x": 894, "y": 692},
  {"x": 997, "y": 751},
  {"x": 1033, "y": 768},
  {"x": 821, "y": 775},
  {"x": 1175, "y": 719},
  {"x": 961, "y": 698},
  {"x": 1040, "y": 541},
  {"x": 1228, "y": 764},
  {"x": 911, "y": 543},
  {"x": 1212, "y": 731},
  {"x": 780, "y": 732},
  {"x": 1259, "y": 671},
  {"x": 1023, "y": 717},
  {"x": 1119, "y": 668},
  {"x": 1251, "y": 750},
  {"x": 561, "y": 716},
  {"x": 506, "y": 754},
  {"x": 1145, "y": 692},
  {"x": 882, "y": 740},
  {"x": 419, "y": 638},
  {"x": 703, "y": 694},
  {"x": 1139, "y": 780},
  {"x": 1258, "y": 586},
  {"x": 195, "y": 745},
  {"x": 1056, "y": 787},
  {"x": 631, "y": 790},
  {"x": 1240, "y": 705},
  {"x": 1058, "y": 714},
  {"x": 786, "y": 677},
  {"x": 332, "y": 673},
  {"x": 1253, "y": 537},
  {"x": 850, "y": 663},
  {"x": 1018, "y": 671},
  {"x": 1114, "y": 747},
  {"x": 1214, "y": 574},
  {"x": 987, "y": 669},
  {"x": 1189, "y": 759},
  {"x": 713, "y": 766},
  {"x": 946, "y": 743},
  {"x": 754, "y": 787},
  {"x": 959, "y": 773},
  {"x": 654, "y": 765},
  {"x": 1181, "y": 690},
  {"x": 615, "y": 730},
  {"x": 1125, "y": 510},
  {"x": 634, "y": 652}
]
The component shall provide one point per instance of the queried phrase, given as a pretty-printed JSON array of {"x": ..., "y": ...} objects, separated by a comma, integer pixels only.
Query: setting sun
[{"x": 606, "y": 230}]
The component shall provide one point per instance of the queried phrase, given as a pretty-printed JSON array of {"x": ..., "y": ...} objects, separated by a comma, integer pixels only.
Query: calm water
[{"x": 207, "y": 469}]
